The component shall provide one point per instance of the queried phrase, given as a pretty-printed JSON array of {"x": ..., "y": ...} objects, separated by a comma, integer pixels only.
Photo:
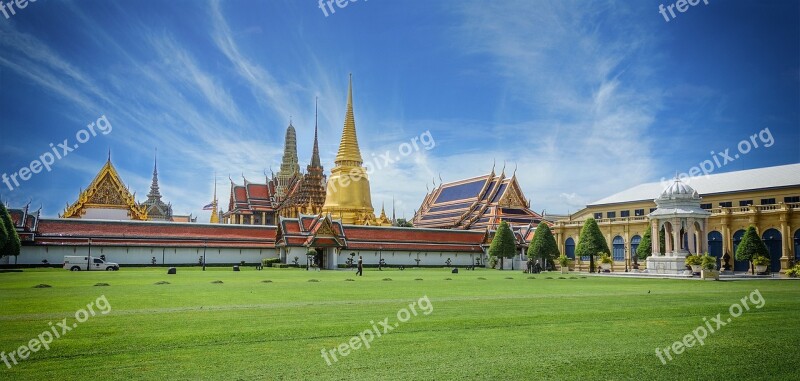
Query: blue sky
[{"x": 584, "y": 98}]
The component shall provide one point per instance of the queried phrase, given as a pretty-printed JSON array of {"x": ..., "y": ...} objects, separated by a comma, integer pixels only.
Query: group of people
[{"x": 533, "y": 267}]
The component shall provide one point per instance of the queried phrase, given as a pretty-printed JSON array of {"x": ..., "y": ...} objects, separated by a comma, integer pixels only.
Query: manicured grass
[{"x": 483, "y": 325}]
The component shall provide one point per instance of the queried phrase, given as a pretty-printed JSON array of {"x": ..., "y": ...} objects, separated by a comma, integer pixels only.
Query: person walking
[{"x": 360, "y": 271}]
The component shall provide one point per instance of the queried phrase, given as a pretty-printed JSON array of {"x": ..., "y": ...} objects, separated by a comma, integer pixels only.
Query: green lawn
[{"x": 491, "y": 328}]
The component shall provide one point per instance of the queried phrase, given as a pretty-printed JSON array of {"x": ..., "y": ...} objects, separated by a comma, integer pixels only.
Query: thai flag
[{"x": 209, "y": 206}]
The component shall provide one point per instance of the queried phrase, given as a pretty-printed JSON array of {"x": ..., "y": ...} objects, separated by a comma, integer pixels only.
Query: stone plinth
[{"x": 669, "y": 265}]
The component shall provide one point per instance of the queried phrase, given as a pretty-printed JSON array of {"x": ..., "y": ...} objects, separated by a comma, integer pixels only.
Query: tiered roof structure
[
  {"x": 476, "y": 203},
  {"x": 157, "y": 210},
  {"x": 288, "y": 194}
]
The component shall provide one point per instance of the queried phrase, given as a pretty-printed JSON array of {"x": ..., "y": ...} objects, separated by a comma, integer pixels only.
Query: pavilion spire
[
  {"x": 315, "y": 162},
  {"x": 348, "y": 147},
  {"x": 214, "y": 213},
  {"x": 154, "y": 189}
]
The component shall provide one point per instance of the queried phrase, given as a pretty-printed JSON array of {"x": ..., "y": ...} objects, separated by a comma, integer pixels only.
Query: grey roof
[{"x": 750, "y": 179}]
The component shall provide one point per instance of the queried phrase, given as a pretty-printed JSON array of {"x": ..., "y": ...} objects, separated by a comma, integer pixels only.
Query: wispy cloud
[{"x": 570, "y": 66}]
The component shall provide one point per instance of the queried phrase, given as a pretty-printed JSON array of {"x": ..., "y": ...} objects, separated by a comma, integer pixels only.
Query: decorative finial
[{"x": 109, "y": 154}]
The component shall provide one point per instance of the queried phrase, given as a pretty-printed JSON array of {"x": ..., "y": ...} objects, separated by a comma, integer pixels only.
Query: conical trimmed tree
[
  {"x": 544, "y": 244},
  {"x": 503, "y": 244},
  {"x": 12, "y": 244},
  {"x": 750, "y": 247},
  {"x": 591, "y": 242},
  {"x": 3, "y": 237},
  {"x": 645, "y": 245}
]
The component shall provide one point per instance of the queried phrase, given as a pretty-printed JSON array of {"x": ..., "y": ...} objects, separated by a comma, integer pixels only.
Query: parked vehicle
[{"x": 78, "y": 263}]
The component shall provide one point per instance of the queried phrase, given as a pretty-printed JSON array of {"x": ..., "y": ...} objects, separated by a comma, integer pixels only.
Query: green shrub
[
  {"x": 604, "y": 258},
  {"x": 270, "y": 262},
  {"x": 794, "y": 272},
  {"x": 564, "y": 261},
  {"x": 693, "y": 260},
  {"x": 760, "y": 261},
  {"x": 708, "y": 262}
]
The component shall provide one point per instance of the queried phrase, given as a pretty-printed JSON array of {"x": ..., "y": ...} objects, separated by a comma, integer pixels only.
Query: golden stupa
[{"x": 348, "y": 195}]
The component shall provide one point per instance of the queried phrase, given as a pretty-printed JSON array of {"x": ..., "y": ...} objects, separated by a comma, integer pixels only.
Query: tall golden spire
[
  {"x": 214, "y": 213},
  {"x": 348, "y": 193},
  {"x": 349, "y": 154}
]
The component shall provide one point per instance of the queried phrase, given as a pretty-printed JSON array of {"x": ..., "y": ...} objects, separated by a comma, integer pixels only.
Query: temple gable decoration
[{"x": 106, "y": 191}]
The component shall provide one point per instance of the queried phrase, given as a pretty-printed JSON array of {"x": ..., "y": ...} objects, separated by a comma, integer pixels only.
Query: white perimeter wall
[
  {"x": 144, "y": 255},
  {"x": 407, "y": 258},
  {"x": 171, "y": 255}
]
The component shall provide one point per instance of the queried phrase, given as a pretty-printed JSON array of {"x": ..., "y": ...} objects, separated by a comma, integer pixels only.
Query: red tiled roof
[
  {"x": 53, "y": 231},
  {"x": 16, "y": 216},
  {"x": 394, "y": 234},
  {"x": 239, "y": 194},
  {"x": 258, "y": 191}
]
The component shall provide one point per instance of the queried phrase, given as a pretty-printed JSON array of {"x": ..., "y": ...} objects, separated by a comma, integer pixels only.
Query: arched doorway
[
  {"x": 772, "y": 238},
  {"x": 739, "y": 265},
  {"x": 635, "y": 245},
  {"x": 619, "y": 249},
  {"x": 569, "y": 248},
  {"x": 797, "y": 246},
  {"x": 715, "y": 246}
]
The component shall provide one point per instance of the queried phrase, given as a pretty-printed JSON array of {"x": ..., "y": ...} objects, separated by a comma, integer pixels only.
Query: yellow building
[
  {"x": 768, "y": 198},
  {"x": 348, "y": 197}
]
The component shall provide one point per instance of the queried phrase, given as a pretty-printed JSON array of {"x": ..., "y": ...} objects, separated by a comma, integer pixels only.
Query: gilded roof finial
[{"x": 348, "y": 147}]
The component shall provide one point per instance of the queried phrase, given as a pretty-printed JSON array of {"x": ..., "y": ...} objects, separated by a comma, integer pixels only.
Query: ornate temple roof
[
  {"x": 106, "y": 191},
  {"x": 476, "y": 203},
  {"x": 156, "y": 208},
  {"x": 25, "y": 222},
  {"x": 321, "y": 230}
]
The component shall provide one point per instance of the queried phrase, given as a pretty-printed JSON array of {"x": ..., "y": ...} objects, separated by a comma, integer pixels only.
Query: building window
[
  {"x": 652, "y": 210},
  {"x": 746, "y": 203},
  {"x": 638, "y": 212},
  {"x": 625, "y": 213},
  {"x": 767, "y": 201},
  {"x": 598, "y": 216},
  {"x": 611, "y": 214},
  {"x": 791, "y": 199},
  {"x": 726, "y": 204},
  {"x": 705, "y": 206}
]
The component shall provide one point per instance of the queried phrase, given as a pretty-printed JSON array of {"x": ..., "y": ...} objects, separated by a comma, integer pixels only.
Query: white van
[{"x": 77, "y": 263}]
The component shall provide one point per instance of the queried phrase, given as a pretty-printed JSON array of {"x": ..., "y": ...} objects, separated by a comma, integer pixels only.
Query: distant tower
[
  {"x": 157, "y": 210},
  {"x": 214, "y": 211},
  {"x": 348, "y": 194},
  {"x": 289, "y": 165}
]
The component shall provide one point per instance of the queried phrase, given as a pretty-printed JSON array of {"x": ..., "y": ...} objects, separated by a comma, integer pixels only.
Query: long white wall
[
  {"x": 408, "y": 258},
  {"x": 144, "y": 255}
]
